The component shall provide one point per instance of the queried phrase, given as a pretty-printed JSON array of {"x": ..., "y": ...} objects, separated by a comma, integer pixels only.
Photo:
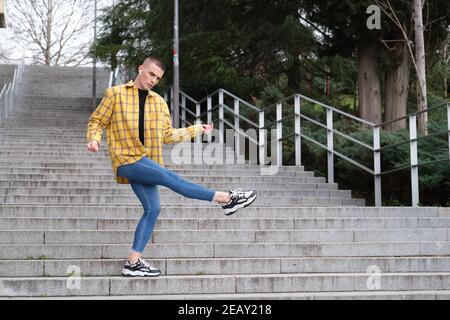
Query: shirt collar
[{"x": 131, "y": 84}]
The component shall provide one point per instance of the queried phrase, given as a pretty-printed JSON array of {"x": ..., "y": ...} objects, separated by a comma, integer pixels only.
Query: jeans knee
[{"x": 152, "y": 212}]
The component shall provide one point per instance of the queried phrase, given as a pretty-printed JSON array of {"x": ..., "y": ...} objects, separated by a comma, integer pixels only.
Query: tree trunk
[
  {"x": 49, "y": 33},
  {"x": 421, "y": 84},
  {"x": 369, "y": 84},
  {"x": 396, "y": 87}
]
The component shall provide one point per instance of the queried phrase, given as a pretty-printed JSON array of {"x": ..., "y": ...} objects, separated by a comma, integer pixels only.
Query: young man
[{"x": 137, "y": 123}]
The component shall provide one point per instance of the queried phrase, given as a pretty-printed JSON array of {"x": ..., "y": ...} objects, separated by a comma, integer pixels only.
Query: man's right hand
[{"x": 93, "y": 146}]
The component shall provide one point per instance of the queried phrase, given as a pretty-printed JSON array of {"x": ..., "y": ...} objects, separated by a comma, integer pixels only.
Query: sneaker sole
[
  {"x": 242, "y": 205},
  {"x": 127, "y": 273}
]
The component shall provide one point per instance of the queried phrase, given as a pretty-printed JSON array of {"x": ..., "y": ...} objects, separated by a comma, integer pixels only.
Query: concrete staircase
[{"x": 66, "y": 225}]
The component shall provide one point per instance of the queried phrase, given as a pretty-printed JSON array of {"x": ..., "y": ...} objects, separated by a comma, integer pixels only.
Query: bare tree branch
[{"x": 53, "y": 30}]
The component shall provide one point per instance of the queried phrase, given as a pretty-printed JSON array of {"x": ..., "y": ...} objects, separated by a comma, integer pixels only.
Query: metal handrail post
[
  {"x": 377, "y": 166},
  {"x": 197, "y": 113},
  {"x": 8, "y": 100},
  {"x": 111, "y": 75},
  {"x": 209, "y": 115},
  {"x": 237, "y": 145},
  {"x": 298, "y": 132},
  {"x": 414, "y": 160},
  {"x": 448, "y": 127},
  {"x": 13, "y": 91},
  {"x": 221, "y": 118},
  {"x": 2, "y": 103},
  {"x": 183, "y": 111},
  {"x": 22, "y": 68},
  {"x": 261, "y": 140},
  {"x": 279, "y": 135},
  {"x": 14, "y": 81},
  {"x": 330, "y": 143}
]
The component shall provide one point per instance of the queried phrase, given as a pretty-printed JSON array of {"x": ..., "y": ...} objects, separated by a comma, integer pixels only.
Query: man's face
[{"x": 150, "y": 75}]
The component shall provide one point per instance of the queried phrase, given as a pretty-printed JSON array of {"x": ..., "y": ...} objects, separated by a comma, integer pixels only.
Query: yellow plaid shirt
[{"x": 118, "y": 112}]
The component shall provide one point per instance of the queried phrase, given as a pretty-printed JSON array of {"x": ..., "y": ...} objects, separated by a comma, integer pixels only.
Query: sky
[{"x": 15, "y": 50}]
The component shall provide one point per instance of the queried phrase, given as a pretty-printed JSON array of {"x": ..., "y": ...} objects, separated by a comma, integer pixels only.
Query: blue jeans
[{"x": 144, "y": 176}]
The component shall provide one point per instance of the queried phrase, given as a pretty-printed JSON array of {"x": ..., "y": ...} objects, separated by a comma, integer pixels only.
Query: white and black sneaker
[
  {"x": 239, "y": 199},
  {"x": 140, "y": 269}
]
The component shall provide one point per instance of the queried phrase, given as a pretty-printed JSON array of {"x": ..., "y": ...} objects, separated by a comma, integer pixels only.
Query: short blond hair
[{"x": 156, "y": 61}]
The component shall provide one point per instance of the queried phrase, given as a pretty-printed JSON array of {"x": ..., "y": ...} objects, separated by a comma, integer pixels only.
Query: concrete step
[
  {"x": 21, "y": 130},
  {"x": 106, "y": 164},
  {"x": 226, "y": 223},
  {"x": 55, "y": 140},
  {"x": 75, "y": 110},
  {"x": 50, "y": 102},
  {"x": 78, "y": 148},
  {"x": 37, "y": 125},
  {"x": 228, "y": 172},
  {"x": 227, "y": 250},
  {"x": 273, "y": 201},
  {"x": 223, "y": 236},
  {"x": 343, "y": 295},
  {"x": 85, "y": 153},
  {"x": 214, "y": 284},
  {"x": 165, "y": 192},
  {"x": 67, "y": 111},
  {"x": 175, "y": 149},
  {"x": 178, "y": 199},
  {"x": 192, "y": 178},
  {"x": 194, "y": 211},
  {"x": 40, "y": 136},
  {"x": 42, "y": 144},
  {"x": 102, "y": 157},
  {"x": 210, "y": 266},
  {"x": 40, "y": 127},
  {"x": 70, "y": 113},
  {"x": 46, "y": 106},
  {"x": 112, "y": 184},
  {"x": 167, "y": 160},
  {"x": 43, "y": 100}
]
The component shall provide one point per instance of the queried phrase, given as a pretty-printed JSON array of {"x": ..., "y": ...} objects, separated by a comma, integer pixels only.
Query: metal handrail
[
  {"x": 8, "y": 93},
  {"x": 409, "y": 166},
  {"x": 348, "y": 115},
  {"x": 241, "y": 100},
  {"x": 382, "y": 124},
  {"x": 262, "y": 126}
]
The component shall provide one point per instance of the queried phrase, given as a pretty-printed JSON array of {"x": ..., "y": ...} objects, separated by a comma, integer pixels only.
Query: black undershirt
[{"x": 142, "y": 97}]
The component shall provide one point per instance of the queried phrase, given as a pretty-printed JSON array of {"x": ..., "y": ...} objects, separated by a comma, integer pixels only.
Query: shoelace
[
  {"x": 238, "y": 194},
  {"x": 145, "y": 263}
]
